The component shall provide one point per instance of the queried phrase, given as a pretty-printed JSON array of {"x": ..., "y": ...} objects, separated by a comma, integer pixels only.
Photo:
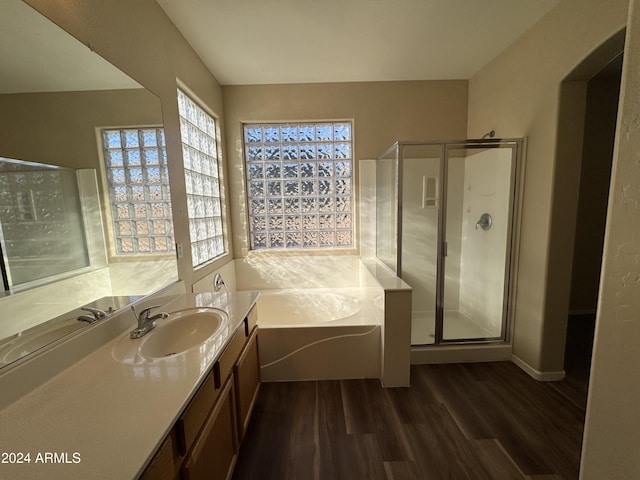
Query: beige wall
[
  {"x": 383, "y": 112},
  {"x": 517, "y": 94},
  {"x": 612, "y": 429},
  {"x": 139, "y": 39},
  {"x": 59, "y": 128}
]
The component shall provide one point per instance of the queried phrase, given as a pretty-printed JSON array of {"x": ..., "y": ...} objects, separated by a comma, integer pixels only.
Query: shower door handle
[{"x": 445, "y": 247}]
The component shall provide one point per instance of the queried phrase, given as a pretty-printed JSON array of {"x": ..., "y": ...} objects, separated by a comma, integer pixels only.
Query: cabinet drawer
[
  {"x": 190, "y": 423},
  {"x": 222, "y": 368},
  {"x": 252, "y": 319}
]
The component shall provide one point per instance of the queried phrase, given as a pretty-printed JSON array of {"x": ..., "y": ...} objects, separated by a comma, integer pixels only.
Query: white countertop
[{"x": 104, "y": 418}]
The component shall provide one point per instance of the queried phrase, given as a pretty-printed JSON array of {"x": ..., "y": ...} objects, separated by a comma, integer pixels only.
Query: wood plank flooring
[
  {"x": 456, "y": 422},
  {"x": 577, "y": 359}
]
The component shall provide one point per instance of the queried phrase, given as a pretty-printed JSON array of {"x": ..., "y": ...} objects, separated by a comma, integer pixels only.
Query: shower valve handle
[{"x": 484, "y": 222}]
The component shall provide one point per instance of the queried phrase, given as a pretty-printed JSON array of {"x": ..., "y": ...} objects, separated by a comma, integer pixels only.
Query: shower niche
[{"x": 446, "y": 218}]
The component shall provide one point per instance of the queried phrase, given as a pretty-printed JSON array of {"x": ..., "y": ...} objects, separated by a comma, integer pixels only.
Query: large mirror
[{"x": 85, "y": 213}]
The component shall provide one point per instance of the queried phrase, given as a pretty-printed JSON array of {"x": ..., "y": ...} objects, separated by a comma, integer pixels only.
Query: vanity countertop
[{"x": 104, "y": 417}]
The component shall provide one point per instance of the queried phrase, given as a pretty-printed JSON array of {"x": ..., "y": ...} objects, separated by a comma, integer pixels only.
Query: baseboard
[{"x": 537, "y": 374}]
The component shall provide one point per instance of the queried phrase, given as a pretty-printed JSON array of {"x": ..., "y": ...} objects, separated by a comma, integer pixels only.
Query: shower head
[{"x": 490, "y": 134}]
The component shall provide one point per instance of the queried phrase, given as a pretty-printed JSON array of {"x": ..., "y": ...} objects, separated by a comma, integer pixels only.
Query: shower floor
[{"x": 456, "y": 326}]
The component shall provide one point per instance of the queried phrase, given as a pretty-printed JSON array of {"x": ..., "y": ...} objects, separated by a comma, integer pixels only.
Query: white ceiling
[{"x": 301, "y": 41}]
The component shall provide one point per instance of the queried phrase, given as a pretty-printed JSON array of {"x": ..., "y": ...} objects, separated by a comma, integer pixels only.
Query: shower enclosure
[
  {"x": 42, "y": 225},
  {"x": 445, "y": 222}
]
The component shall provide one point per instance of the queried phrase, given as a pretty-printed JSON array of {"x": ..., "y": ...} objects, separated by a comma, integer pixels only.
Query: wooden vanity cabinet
[
  {"x": 205, "y": 440},
  {"x": 165, "y": 464},
  {"x": 195, "y": 415},
  {"x": 247, "y": 382},
  {"x": 215, "y": 451}
]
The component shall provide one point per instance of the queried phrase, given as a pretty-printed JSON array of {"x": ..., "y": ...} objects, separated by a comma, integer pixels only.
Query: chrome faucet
[
  {"x": 146, "y": 322},
  {"x": 96, "y": 314}
]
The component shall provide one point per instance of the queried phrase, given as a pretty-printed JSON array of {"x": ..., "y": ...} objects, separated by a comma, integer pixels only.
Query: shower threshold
[{"x": 461, "y": 353}]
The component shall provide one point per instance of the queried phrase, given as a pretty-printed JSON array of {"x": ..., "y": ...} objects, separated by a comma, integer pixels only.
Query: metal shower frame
[{"x": 518, "y": 146}]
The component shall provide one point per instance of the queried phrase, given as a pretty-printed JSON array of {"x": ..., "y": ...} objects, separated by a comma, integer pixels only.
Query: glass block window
[
  {"x": 136, "y": 164},
  {"x": 202, "y": 178},
  {"x": 299, "y": 179}
]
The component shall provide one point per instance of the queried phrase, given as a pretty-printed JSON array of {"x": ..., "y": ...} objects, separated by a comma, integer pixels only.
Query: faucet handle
[
  {"x": 144, "y": 313},
  {"x": 218, "y": 282},
  {"x": 484, "y": 222},
  {"x": 96, "y": 312}
]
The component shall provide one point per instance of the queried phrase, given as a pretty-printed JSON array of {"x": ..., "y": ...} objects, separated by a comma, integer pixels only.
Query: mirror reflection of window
[{"x": 140, "y": 199}]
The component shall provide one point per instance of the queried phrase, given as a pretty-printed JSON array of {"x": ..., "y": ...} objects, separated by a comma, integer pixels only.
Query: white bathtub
[
  {"x": 319, "y": 306},
  {"x": 319, "y": 334}
]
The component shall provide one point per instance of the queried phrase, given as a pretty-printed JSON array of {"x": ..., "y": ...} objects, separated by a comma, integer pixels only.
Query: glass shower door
[
  {"x": 387, "y": 216},
  {"x": 444, "y": 216},
  {"x": 420, "y": 165},
  {"x": 477, "y": 231}
]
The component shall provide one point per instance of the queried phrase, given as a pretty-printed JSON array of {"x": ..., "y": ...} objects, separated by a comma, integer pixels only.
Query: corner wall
[
  {"x": 612, "y": 426},
  {"x": 517, "y": 94}
]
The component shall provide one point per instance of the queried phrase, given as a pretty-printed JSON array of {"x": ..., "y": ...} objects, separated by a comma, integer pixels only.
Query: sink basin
[
  {"x": 30, "y": 342},
  {"x": 182, "y": 331}
]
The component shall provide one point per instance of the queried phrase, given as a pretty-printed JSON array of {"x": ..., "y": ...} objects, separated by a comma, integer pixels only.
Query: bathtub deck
[{"x": 458, "y": 421}]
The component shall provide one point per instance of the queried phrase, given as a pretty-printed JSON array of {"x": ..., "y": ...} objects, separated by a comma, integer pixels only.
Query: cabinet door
[
  {"x": 164, "y": 465},
  {"x": 247, "y": 378},
  {"x": 215, "y": 451},
  {"x": 195, "y": 415}
]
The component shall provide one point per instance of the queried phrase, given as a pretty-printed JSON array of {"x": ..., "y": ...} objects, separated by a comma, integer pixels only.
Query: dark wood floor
[
  {"x": 577, "y": 359},
  {"x": 457, "y": 421}
]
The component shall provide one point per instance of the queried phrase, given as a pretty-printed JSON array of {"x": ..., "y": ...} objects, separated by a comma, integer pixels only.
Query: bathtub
[{"x": 319, "y": 334}]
